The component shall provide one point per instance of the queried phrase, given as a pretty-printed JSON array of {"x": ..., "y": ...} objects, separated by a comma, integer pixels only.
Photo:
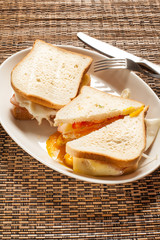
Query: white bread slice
[
  {"x": 49, "y": 75},
  {"x": 92, "y": 104},
  {"x": 120, "y": 143}
]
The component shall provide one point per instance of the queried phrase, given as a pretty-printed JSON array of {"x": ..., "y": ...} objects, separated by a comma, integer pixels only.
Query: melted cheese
[
  {"x": 95, "y": 167},
  {"x": 37, "y": 111}
]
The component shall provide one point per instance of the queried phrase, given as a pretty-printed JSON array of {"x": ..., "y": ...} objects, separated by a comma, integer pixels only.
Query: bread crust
[
  {"x": 36, "y": 99},
  {"x": 40, "y": 100},
  {"x": 117, "y": 162}
]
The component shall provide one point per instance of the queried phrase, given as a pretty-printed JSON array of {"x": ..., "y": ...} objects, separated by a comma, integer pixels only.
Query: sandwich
[
  {"x": 99, "y": 134},
  {"x": 115, "y": 149},
  {"x": 112, "y": 148},
  {"x": 47, "y": 79},
  {"x": 91, "y": 110}
]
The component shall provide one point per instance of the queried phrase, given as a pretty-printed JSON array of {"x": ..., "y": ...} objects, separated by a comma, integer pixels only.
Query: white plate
[{"x": 32, "y": 137}]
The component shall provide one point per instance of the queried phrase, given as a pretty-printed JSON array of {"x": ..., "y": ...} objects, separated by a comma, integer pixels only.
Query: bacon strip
[
  {"x": 18, "y": 112},
  {"x": 14, "y": 101}
]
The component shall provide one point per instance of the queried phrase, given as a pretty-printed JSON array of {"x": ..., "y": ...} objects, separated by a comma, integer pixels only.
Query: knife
[{"x": 115, "y": 52}]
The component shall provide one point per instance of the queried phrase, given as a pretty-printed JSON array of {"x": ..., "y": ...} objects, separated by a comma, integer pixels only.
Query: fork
[{"x": 115, "y": 63}]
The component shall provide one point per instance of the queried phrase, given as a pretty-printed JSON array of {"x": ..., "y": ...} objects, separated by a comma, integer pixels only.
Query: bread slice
[
  {"x": 119, "y": 144},
  {"x": 92, "y": 104},
  {"x": 49, "y": 75},
  {"x": 21, "y": 113}
]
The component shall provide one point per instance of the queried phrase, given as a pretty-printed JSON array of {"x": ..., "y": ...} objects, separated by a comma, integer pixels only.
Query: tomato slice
[{"x": 82, "y": 124}]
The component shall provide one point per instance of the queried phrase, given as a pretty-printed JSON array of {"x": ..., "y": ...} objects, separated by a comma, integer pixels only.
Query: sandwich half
[
  {"x": 91, "y": 110},
  {"x": 114, "y": 149},
  {"x": 46, "y": 80}
]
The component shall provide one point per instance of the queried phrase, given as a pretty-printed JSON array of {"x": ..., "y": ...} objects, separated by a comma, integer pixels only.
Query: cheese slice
[
  {"x": 37, "y": 111},
  {"x": 95, "y": 167}
]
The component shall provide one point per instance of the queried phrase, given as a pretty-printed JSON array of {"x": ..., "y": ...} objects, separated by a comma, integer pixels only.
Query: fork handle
[{"x": 150, "y": 66}]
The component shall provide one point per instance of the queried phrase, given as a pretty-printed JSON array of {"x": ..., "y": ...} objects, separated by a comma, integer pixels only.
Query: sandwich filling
[
  {"x": 34, "y": 110},
  {"x": 79, "y": 129}
]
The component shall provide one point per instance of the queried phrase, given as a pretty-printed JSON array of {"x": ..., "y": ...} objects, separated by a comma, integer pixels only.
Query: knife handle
[{"x": 149, "y": 65}]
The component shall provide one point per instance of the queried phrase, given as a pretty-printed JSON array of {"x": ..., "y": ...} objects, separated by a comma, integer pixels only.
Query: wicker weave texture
[{"x": 39, "y": 203}]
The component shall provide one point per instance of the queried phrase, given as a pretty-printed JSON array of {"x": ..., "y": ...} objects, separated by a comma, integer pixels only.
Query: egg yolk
[{"x": 56, "y": 147}]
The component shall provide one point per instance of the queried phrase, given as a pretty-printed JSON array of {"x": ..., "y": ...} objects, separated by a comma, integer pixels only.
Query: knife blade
[{"x": 115, "y": 52}]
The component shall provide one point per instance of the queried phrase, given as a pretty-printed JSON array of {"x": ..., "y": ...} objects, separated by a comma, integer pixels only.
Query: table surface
[{"x": 39, "y": 203}]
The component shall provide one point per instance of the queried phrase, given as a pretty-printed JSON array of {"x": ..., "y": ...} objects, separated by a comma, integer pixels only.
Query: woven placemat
[{"x": 39, "y": 203}]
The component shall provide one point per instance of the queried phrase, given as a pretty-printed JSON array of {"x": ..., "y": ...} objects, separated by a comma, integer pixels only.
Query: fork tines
[{"x": 109, "y": 64}]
